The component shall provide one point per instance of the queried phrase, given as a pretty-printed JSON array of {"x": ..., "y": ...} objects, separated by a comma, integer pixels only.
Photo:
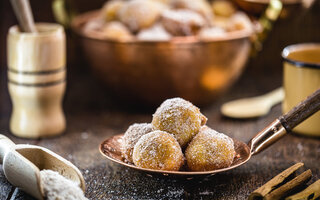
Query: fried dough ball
[
  {"x": 158, "y": 150},
  {"x": 182, "y": 22},
  {"x": 154, "y": 33},
  {"x": 111, "y": 9},
  {"x": 116, "y": 31},
  {"x": 93, "y": 25},
  {"x": 240, "y": 21},
  {"x": 166, "y": 2},
  {"x": 222, "y": 22},
  {"x": 209, "y": 150},
  {"x": 200, "y": 6},
  {"x": 180, "y": 118},
  {"x": 132, "y": 136},
  {"x": 139, "y": 14},
  {"x": 223, "y": 8}
]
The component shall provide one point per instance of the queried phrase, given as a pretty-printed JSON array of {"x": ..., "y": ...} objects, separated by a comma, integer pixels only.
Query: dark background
[{"x": 93, "y": 115}]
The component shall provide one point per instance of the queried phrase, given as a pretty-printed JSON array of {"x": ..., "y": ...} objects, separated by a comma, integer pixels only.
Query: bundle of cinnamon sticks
[{"x": 288, "y": 186}]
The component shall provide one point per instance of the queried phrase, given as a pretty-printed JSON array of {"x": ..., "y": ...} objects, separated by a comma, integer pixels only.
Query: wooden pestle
[{"x": 24, "y": 15}]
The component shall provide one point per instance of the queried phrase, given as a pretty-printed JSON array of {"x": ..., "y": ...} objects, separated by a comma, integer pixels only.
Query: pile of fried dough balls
[
  {"x": 163, "y": 20},
  {"x": 177, "y": 134}
]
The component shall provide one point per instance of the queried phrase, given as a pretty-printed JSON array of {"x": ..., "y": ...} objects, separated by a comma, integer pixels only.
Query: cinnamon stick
[
  {"x": 290, "y": 186},
  {"x": 274, "y": 182},
  {"x": 310, "y": 193}
]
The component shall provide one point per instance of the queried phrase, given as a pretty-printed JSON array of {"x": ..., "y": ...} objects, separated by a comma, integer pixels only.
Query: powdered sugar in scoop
[
  {"x": 131, "y": 137},
  {"x": 57, "y": 187}
]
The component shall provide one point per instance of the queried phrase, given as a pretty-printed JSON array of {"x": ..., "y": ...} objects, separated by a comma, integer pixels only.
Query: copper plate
[{"x": 111, "y": 149}]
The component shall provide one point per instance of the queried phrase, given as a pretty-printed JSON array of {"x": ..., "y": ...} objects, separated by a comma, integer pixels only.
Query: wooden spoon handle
[
  {"x": 301, "y": 112},
  {"x": 5, "y": 145},
  {"x": 24, "y": 15},
  {"x": 284, "y": 124}
]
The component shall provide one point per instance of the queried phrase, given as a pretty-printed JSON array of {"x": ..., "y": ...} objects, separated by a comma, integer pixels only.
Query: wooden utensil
[
  {"x": 22, "y": 164},
  {"x": 252, "y": 107},
  {"x": 111, "y": 148},
  {"x": 24, "y": 15}
]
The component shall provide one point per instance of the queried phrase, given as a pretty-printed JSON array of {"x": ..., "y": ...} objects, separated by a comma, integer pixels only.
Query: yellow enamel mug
[{"x": 302, "y": 78}]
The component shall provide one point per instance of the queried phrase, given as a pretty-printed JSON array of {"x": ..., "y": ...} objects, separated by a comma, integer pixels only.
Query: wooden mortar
[{"x": 37, "y": 80}]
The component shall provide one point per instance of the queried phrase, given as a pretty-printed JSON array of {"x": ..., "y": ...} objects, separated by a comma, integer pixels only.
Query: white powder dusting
[
  {"x": 210, "y": 150},
  {"x": 84, "y": 135},
  {"x": 180, "y": 118},
  {"x": 57, "y": 187},
  {"x": 184, "y": 16},
  {"x": 158, "y": 150},
  {"x": 155, "y": 33},
  {"x": 182, "y": 22},
  {"x": 131, "y": 137},
  {"x": 211, "y": 33}
]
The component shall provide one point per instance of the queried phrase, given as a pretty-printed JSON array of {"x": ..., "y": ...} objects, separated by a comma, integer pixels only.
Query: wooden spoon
[
  {"x": 252, "y": 107},
  {"x": 22, "y": 164},
  {"x": 24, "y": 15}
]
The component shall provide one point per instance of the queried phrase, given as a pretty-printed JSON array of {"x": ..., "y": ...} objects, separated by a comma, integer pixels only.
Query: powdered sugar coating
[
  {"x": 182, "y": 22},
  {"x": 212, "y": 33},
  {"x": 111, "y": 9},
  {"x": 131, "y": 137},
  {"x": 240, "y": 21},
  {"x": 209, "y": 150},
  {"x": 202, "y": 7},
  {"x": 139, "y": 14},
  {"x": 155, "y": 33},
  {"x": 180, "y": 118},
  {"x": 158, "y": 150},
  {"x": 116, "y": 31}
]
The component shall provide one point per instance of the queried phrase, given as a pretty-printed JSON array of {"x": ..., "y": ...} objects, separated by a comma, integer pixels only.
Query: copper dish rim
[
  {"x": 167, "y": 173},
  {"x": 265, "y": 2},
  {"x": 78, "y": 21}
]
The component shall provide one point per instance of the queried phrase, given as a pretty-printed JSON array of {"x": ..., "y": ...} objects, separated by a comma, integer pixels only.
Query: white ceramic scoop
[{"x": 22, "y": 164}]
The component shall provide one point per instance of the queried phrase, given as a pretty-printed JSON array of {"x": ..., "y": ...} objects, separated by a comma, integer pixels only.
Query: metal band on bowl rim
[{"x": 286, "y": 51}]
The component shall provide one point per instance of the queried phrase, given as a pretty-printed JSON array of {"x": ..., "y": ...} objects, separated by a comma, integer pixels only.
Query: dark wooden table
[{"x": 92, "y": 116}]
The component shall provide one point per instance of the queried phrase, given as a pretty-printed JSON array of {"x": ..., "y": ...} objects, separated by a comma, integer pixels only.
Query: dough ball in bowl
[
  {"x": 140, "y": 14},
  {"x": 110, "y": 10},
  {"x": 158, "y": 150},
  {"x": 116, "y": 31},
  {"x": 180, "y": 118},
  {"x": 200, "y": 6},
  {"x": 209, "y": 150},
  {"x": 182, "y": 22}
]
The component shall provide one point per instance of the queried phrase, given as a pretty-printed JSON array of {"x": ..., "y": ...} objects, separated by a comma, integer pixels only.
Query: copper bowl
[{"x": 151, "y": 72}]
